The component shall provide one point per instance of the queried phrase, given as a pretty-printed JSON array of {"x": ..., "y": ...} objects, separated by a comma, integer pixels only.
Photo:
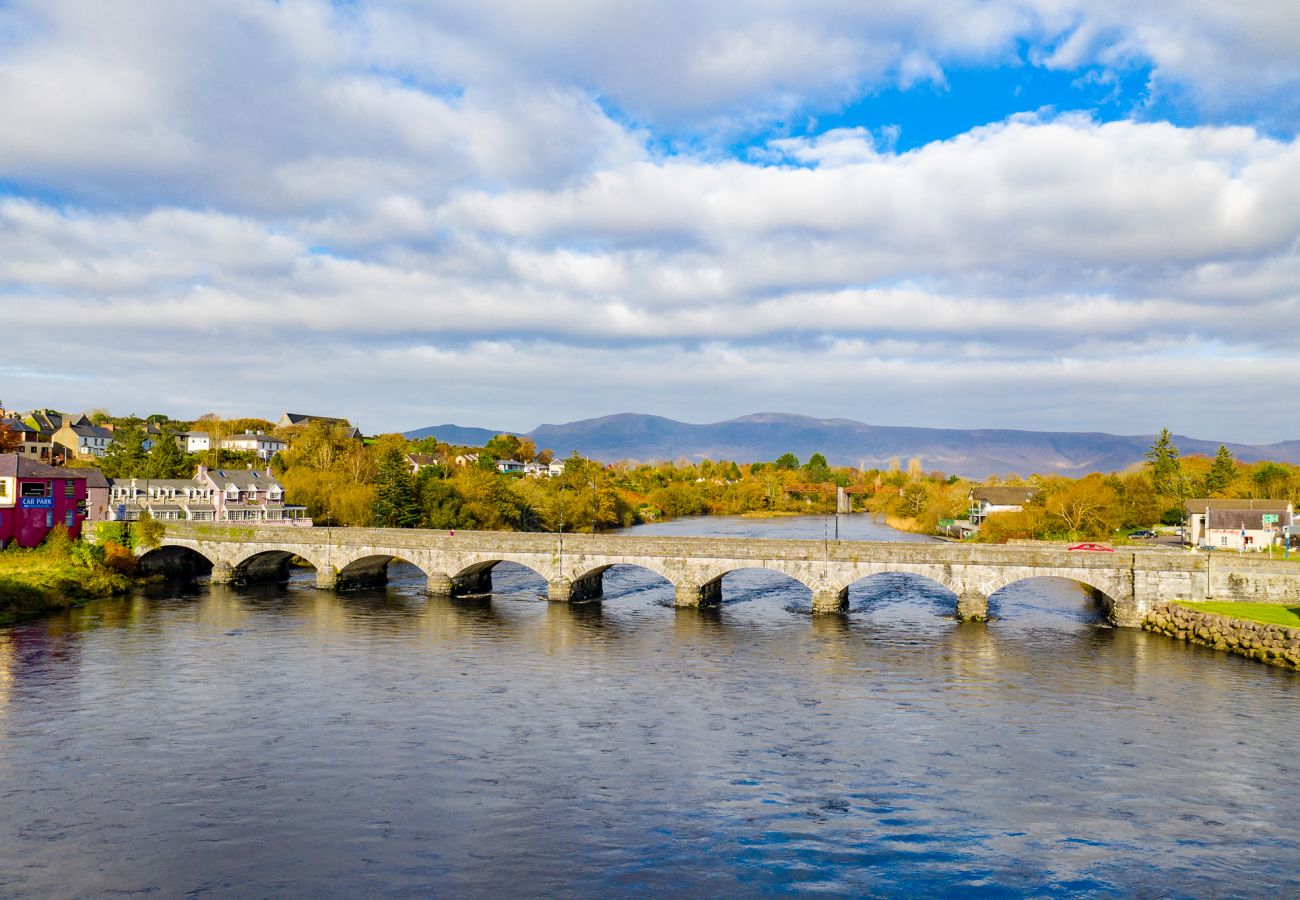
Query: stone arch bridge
[{"x": 1127, "y": 582}]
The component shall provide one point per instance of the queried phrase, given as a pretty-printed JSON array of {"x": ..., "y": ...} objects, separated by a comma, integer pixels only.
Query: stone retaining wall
[{"x": 1276, "y": 645}]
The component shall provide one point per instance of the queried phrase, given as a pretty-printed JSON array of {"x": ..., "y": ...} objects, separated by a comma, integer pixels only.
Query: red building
[{"x": 34, "y": 498}]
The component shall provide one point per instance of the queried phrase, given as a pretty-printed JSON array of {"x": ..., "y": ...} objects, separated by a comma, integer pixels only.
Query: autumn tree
[
  {"x": 1087, "y": 507},
  {"x": 10, "y": 439}
]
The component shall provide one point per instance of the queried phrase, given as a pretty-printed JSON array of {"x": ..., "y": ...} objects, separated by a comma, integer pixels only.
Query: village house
[
  {"x": 97, "y": 493},
  {"x": 212, "y": 495},
  {"x": 420, "y": 461},
  {"x": 35, "y": 498},
  {"x": 301, "y": 420},
  {"x": 987, "y": 501},
  {"x": 466, "y": 459},
  {"x": 33, "y": 444},
  {"x": 510, "y": 466},
  {"x": 536, "y": 470},
  {"x": 264, "y": 445},
  {"x": 82, "y": 439},
  {"x": 1245, "y": 524},
  {"x": 556, "y": 468},
  {"x": 194, "y": 441}
]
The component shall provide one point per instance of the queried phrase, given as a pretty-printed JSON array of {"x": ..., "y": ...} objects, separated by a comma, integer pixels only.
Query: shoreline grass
[
  {"x": 57, "y": 575},
  {"x": 1264, "y": 613}
]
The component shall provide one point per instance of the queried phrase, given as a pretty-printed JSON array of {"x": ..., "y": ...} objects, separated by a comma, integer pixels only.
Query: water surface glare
[{"x": 284, "y": 741}]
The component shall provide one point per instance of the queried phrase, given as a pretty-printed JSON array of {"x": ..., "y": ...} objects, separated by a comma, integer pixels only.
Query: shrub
[{"x": 120, "y": 559}]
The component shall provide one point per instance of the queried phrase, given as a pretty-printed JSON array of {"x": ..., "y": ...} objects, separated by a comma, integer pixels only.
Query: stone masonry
[{"x": 1128, "y": 583}]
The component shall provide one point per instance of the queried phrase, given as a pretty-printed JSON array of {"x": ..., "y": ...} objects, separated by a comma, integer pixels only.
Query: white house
[
  {"x": 509, "y": 466},
  {"x": 556, "y": 468},
  {"x": 1237, "y": 524},
  {"x": 194, "y": 441},
  {"x": 985, "y": 501},
  {"x": 264, "y": 445}
]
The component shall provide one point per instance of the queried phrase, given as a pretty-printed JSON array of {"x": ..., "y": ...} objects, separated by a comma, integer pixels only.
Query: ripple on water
[{"x": 282, "y": 740}]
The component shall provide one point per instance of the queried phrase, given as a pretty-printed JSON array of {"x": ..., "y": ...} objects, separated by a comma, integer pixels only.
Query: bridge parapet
[{"x": 573, "y": 565}]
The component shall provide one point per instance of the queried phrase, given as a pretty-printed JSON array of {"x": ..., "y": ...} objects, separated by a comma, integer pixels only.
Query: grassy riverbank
[
  {"x": 58, "y": 574},
  {"x": 1267, "y": 613}
]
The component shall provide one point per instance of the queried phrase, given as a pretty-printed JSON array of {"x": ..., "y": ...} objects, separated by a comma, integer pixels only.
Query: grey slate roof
[
  {"x": 1004, "y": 496},
  {"x": 15, "y": 465}
]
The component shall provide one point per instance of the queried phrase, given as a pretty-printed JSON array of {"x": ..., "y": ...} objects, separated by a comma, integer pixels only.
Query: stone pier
[
  {"x": 439, "y": 585},
  {"x": 563, "y": 590},
  {"x": 972, "y": 606},
  {"x": 830, "y": 601},
  {"x": 690, "y": 595}
]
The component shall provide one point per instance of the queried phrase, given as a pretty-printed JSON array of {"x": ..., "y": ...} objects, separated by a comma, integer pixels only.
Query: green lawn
[{"x": 1268, "y": 613}]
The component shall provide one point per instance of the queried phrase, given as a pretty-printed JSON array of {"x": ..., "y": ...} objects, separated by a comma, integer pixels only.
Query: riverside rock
[{"x": 1276, "y": 645}]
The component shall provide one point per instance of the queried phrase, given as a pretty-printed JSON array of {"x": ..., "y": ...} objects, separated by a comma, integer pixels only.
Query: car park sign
[{"x": 36, "y": 503}]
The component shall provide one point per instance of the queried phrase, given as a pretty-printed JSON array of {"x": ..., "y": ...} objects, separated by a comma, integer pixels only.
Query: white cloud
[{"x": 362, "y": 202}]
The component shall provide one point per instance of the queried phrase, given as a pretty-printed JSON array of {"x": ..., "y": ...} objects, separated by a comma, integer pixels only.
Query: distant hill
[
  {"x": 765, "y": 436},
  {"x": 455, "y": 434}
]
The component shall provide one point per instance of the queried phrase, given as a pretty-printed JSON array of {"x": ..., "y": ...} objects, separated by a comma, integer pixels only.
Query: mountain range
[{"x": 975, "y": 453}]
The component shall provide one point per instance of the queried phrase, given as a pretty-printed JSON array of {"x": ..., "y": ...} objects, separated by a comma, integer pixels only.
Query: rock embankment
[{"x": 1276, "y": 645}]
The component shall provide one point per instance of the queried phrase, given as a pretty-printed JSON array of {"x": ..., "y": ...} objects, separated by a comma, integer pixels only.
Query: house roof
[
  {"x": 15, "y": 465},
  {"x": 1268, "y": 506},
  {"x": 88, "y": 431},
  {"x": 1004, "y": 496},
  {"x": 20, "y": 426},
  {"x": 94, "y": 477},
  {"x": 243, "y": 479},
  {"x": 422, "y": 459},
  {"x": 249, "y": 436},
  {"x": 1251, "y": 519}
]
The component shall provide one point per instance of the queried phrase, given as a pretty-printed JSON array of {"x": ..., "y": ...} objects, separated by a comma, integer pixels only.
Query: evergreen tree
[
  {"x": 167, "y": 459},
  {"x": 125, "y": 456},
  {"x": 786, "y": 461},
  {"x": 816, "y": 469},
  {"x": 396, "y": 504},
  {"x": 1223, "y": 471},
  {"x": 1165, "y": 469}
]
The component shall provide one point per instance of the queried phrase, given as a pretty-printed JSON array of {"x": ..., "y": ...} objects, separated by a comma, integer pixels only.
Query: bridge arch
[
  {"x": 875, "y": 586},
  {"x": 365, "y": 570},
  {"x": 470, "y": 575},
  {"x": 1104, "y": 591},
  {"x": 590, "y": 583},
  {"x": 776, "y": 578},
  {"x": 176, "y": 559},
  {"x": 269, "y": 564}
]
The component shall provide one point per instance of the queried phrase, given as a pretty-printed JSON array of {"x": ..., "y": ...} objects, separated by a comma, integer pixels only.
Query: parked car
[
  {"x": 1095, "y": 548},
  {"x": 1142, "y": 534}
]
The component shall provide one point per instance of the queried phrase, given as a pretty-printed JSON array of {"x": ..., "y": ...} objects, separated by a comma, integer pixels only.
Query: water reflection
[{"x": 283, "y": 740}]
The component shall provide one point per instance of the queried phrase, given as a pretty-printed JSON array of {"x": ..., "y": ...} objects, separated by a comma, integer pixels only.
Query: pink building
[{"x": 34, "y": 498}]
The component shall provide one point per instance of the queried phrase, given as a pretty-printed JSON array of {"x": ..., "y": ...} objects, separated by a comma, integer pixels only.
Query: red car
[{"x": 1096, "y": 548}]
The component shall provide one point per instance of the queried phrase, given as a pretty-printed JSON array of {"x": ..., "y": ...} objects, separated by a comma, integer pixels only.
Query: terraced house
[{"x": 213, "y": 495}]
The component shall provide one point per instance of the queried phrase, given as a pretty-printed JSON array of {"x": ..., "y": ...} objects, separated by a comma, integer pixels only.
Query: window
[
  {"x": 4, "y": 488},
  {"x": 49, "y": 518},
  {"x": 69, "y": 518},
  {"x": 34, "y": 489},
  {"x": 1223, "y": 540},
  {"x": 69, "y": 488}
]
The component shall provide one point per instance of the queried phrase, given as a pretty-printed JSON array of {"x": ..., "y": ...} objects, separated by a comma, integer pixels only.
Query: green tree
[
  {"x": 396, "y": 504},
  {"x": 786, "y": 461},
  {"x": 1163, "y": 466},
  {"x": 125, "y": 456},
  {"x": 1223, "y": 471},
  {"x": 167, "y": 460},
  {"x": 442, "y": 505},
  {"x": 1271, "y": 480},
  {"x": 817, "y": 469}
]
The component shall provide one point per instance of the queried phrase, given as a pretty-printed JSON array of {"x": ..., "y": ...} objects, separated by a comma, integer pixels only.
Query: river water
[{"x": 283, "y": 741}]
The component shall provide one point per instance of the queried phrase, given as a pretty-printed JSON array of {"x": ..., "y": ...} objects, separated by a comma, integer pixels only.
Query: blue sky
[{"x": 1043, "y": 214}]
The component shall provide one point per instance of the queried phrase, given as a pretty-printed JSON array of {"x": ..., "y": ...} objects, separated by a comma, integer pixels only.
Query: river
[{"x": 278, "y": 740}]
